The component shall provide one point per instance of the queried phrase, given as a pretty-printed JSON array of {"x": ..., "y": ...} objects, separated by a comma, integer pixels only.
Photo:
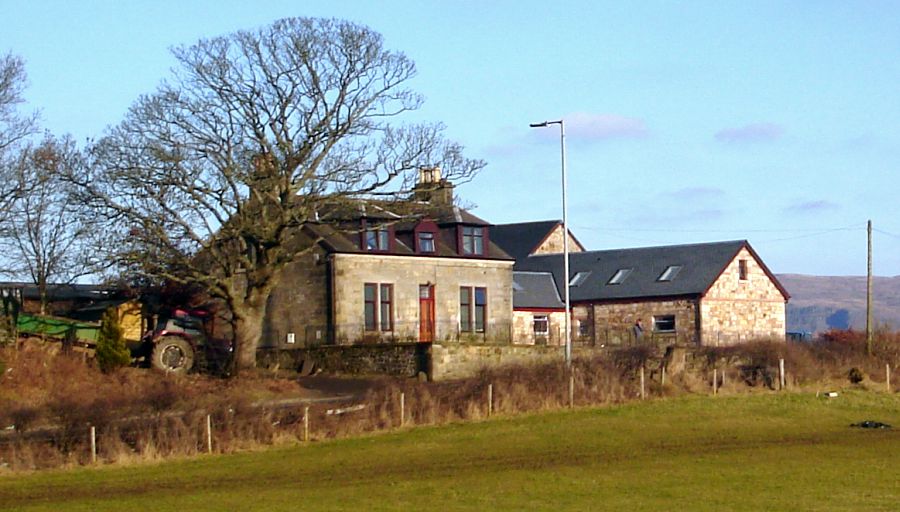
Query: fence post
[
  {"x": 642, "y": 383},
  {"x": 662, "y": 377},
  {"x": 571, "y": 389},
  {"x": 490, "y": 399},
  {"x": 208, "y": 433},
  {"x": 887, "y": 379},
  {"x": 723, "y": 377},
  {"x": 93, "y": 445},
  {"x": 715, "y": 381},
  {"x": 306, "y": 424},
  {"x": 781, "y": 372},
  {"x": 402, "y": 409}
]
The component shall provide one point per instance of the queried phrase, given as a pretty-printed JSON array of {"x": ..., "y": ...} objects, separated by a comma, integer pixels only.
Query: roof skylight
[
  {"x": 579, "y": 278},
  {"x": 620, "y": 276},
  {"x": 669, "y": 273}
]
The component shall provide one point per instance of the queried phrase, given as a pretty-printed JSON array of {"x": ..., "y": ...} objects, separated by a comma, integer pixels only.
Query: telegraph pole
[{"x": 869, "y": 293}]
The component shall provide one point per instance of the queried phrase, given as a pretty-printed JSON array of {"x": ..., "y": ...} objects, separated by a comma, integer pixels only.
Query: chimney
[{"x": 431, "y": 188}]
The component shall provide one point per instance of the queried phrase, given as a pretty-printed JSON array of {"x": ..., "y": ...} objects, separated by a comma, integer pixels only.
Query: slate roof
[
  {"x": 520, "y": 239},
  {"x": 444, "y": 216},
  {"x": 701, "y": 265},
  {"x": 61, "y": 292},
  {"x": 535, "y": 290}
]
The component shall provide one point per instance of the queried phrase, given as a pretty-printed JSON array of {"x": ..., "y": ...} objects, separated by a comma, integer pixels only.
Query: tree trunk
[
  {"x": 247, "y": 322},
  {"x": 42, "y": 291}
]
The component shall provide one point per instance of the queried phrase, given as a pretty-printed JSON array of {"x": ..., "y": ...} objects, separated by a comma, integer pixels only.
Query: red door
[{"x": 426, "y": 312}]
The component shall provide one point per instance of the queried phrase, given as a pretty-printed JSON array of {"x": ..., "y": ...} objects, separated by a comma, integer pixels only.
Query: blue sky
[{"x": 778, "y": 122}]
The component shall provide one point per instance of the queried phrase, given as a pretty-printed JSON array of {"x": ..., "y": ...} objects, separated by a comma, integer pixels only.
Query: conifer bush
[{"x": 112, "y": 352}]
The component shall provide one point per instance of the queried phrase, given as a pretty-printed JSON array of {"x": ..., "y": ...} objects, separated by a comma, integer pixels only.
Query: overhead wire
[{"x": 805, "y": 232}]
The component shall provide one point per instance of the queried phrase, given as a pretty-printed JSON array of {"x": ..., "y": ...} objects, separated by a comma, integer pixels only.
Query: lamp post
[{"x": 562, "y": 150}]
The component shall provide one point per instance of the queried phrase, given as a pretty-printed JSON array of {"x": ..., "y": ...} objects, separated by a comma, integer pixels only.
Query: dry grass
[{"x": 53, "y": 399}]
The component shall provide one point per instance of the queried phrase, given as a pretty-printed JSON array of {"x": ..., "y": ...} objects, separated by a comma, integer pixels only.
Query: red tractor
[{"x": 182, "y": 340}]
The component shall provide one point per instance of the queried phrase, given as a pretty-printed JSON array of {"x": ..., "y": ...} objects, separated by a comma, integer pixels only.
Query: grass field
[{"x": 745, "y": 452}]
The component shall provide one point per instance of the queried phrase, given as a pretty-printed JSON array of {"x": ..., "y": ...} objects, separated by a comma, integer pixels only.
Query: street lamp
[{"x": 562, "y": 150}]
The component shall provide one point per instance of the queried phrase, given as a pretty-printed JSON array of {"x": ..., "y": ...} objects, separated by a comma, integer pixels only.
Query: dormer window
[
  {"x": 472, "y": 240},
  {"x": 377, "y": 239},
  {"x": 425, "y": 241}
]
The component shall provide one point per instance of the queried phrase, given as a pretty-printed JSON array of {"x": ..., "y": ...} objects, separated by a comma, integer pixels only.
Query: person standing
[{"x": 638, "y": 330}]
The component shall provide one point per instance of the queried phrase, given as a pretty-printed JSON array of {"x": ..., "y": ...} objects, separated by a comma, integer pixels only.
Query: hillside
[{"x": 820, "y": 302}]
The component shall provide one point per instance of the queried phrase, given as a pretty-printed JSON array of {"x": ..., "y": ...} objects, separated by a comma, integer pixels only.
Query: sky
[{"x": 775, "y": 122}]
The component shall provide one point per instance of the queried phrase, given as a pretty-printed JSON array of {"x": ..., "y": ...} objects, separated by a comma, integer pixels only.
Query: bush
[{"x": 111, "y": 350}]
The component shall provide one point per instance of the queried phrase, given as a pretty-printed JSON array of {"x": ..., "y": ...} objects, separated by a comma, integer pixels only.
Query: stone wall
[
  {"x": 613, "y": 322},
  {"x": 298, "y": 306},
  {"x": 736, "y": 310},
  {"x": 447, "y": 275},
  {"x": 458, "y": 360},
  {"x": 553, "y": 244},
  {"x": 399, "y": 360}
]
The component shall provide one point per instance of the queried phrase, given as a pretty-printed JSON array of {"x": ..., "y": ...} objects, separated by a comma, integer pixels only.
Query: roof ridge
[{"x": 582, "y": 254}]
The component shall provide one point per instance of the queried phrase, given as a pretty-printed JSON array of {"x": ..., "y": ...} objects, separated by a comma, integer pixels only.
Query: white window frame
[
  {"x": 545, "y": 319},
  {"x": 664, "y": 319}
]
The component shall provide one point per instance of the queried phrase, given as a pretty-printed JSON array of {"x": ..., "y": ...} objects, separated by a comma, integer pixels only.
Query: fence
[
  {"x": 399, "y": 332},
  {"x": 500, "y": 333},
  {"x": 83, "y": 432},
  {"x": 230, "y": 426}
]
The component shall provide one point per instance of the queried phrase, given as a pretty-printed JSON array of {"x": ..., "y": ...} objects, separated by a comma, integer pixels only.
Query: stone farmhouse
[
  {"x": 431, "y": 273},
  {"x": 426, "y": 270},
  {"x": 700, "y": 294}
]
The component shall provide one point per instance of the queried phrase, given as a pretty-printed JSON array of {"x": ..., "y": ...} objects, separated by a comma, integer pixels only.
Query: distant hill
[{"x": 822, "y": 302}]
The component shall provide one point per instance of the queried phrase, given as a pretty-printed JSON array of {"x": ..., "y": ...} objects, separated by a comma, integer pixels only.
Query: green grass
[{"x": 749, "y": 452}]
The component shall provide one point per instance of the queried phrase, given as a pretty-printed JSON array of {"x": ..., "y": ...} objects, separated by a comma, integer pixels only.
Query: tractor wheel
[{"x": 172, "y": 354}]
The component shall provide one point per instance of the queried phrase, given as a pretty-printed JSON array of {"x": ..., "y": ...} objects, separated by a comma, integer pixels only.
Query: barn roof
[{"x": 640, "y": 273}]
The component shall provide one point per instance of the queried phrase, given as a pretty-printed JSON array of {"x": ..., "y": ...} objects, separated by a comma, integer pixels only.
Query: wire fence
[
  {"x": 498, "y": 333},
  {"x": 91, "y": 435}
]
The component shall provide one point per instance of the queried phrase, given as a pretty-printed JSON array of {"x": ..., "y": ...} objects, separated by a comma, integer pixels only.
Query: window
[
  {"x": 579, "y": 279},
  {"x": 480, "y": 308},
  {"x": 379, "y": 306},
  {"x": 584, "y": 328},
  {"x": 742, "y": 270},
  {"x": 387, "y": 307},
  {"x": 541, "y": 325},
  {"x": 425, "y": 241},
  {"x": 377, "y": 239},
  {"x": 472, "y": 308},
  {"x": 370, "y": 295},
  {"x": 669, "y": 273},
  {"x": 620, "y": 276},
  {"x": 472, "y": 240},
  {"x": 664, "y": 323}
]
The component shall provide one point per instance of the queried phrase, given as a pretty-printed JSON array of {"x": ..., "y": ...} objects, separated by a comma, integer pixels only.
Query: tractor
[{"x": 183, "y": 340}]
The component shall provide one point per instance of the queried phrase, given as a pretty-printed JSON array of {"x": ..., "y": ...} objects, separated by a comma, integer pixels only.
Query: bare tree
[
  {"x": 46, "y": 233},
  {"x": 210, "y": 178},
  {"x": 14, "y": 127}
]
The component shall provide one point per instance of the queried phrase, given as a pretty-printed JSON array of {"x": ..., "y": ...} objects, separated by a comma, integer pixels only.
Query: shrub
[{"x": 111, "y": 350}]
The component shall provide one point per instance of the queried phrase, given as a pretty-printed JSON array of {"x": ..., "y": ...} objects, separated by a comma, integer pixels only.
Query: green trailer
[{"x": 82, "y": 334}]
